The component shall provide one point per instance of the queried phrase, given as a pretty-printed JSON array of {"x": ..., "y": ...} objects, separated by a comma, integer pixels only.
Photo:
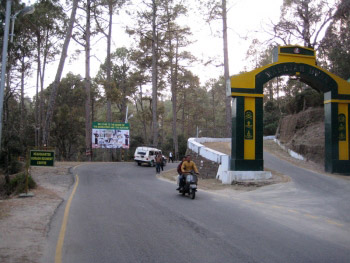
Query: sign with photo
[{"x": 110, "y": 135}]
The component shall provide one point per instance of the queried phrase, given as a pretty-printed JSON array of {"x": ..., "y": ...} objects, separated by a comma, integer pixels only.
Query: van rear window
[{"x": 141, "y": 153}]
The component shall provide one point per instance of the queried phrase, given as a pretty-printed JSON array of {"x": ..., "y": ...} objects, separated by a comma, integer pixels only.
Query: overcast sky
[{"x": 246, "y": 19}]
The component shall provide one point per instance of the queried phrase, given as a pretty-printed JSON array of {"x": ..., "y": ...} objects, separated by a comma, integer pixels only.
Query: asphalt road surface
[{"x": 121, "y": 212}]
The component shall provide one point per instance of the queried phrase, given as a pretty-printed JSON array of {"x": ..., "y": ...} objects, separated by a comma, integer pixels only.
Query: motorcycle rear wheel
[{"x": 193, "y": 194}]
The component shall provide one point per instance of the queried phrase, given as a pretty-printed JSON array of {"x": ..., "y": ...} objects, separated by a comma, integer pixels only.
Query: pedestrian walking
[
  {"x": 158, "y": 162},
  {"x": 162, "y": 163},
  {"x": 171, "y": 157}
]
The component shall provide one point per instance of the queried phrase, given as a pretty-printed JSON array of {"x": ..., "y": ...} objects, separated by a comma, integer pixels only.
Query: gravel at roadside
[{"x": 25, "y": 222}]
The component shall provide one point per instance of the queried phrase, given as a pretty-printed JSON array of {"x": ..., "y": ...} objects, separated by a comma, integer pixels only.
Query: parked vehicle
[
  {"x": 146, "y": 155},
  {"x": 165, "y": 160},
  {"x": 190, "y": 186}
]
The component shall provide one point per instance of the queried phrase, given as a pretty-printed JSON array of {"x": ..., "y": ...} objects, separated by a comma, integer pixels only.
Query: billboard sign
[{"x": 110, "y": 135}]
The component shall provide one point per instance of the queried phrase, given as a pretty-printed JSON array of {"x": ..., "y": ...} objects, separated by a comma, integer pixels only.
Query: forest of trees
[{"x": 61, "y": 113}]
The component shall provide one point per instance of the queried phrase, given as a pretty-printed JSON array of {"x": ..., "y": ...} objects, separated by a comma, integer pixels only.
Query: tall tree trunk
[
  {"x": 174, "y": 84},
  {"x": 214, "y": 111},
  {"x": 55, "y": 85},
  {"x": 305, "y": 14},
  {"x": 109, "y": 69},
  {"x": 37, "y": 111},
  {"x": 109, "y": 40},
  {"x": 226, "y": 70},
  {"x": 124, "y": 101},
  {"x": 154, "y": 75},
  {"x": 42, "y": 78},
  {"x": 6, "y": 112},
  {"x": 22, "y": 104},
  {"x": 184, "y": 114},
  {"x": 88, "y": 126},
  {"x": 144, "y": 120}
]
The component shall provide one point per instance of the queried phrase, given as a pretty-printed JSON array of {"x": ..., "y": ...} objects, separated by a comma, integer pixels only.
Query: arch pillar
[
  {"x": 247, "y": 109},
  {"x": 337, "y": 137},
  {"x": 247, "y": 136}
]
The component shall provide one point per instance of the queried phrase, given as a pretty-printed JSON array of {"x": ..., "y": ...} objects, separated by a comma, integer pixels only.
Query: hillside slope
[{"x": 304, "y": 133}]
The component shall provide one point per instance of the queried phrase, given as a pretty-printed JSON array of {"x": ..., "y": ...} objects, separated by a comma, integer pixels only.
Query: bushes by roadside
[{"x": 16, "y": 186}]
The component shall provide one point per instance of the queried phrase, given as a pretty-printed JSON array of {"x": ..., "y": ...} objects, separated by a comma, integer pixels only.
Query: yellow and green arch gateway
[{"x": 247, "y": 109}]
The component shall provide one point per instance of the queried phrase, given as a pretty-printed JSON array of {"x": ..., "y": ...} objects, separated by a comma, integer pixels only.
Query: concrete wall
[
  {"x": 207, "y": 168},
  {"x": 221, "y": 160},
  {"x": 218, "y": 159}
]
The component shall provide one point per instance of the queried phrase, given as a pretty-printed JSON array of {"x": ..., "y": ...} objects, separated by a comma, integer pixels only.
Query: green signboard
[
  {"x": 342, "y": 127},
  {"x": 42, "y": 158},
  {"x": 248, "y": 125}
]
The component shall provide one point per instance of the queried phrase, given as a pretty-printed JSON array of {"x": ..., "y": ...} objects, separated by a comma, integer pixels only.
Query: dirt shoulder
[
  {"x": 24, "y": 222},
  {"x": 216, "y": 185}
]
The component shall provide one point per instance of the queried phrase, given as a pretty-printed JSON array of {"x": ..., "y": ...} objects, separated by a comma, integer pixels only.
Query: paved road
[{"x": 123, "y": 213}]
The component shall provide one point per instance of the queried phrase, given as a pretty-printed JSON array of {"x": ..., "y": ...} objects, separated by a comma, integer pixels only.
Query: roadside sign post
[
  {"x": 42, "y": 158},
  {"x": 37, "y": 158}
]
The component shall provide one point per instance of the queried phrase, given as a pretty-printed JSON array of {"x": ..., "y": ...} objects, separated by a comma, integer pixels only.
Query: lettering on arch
[{"x": 312, "y": 76}]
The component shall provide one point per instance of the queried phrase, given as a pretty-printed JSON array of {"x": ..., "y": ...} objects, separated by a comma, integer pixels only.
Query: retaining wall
[
  {"x": 223, "y": 161},
  {"x": 219, "y": 160}
]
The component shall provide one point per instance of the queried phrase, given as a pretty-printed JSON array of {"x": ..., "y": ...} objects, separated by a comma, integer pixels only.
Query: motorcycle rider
[
  {"x": 181, "y": 177},
  {"x": 188, "y": 166}
]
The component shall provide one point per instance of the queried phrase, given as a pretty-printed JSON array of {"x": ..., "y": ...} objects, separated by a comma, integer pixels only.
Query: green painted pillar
[
  {"x": 247, "y": 133},
  {"x": 337, "y": 138}
]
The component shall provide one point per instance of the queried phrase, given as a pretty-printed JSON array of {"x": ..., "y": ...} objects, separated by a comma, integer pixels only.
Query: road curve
[{"x": 123, "y": 213}]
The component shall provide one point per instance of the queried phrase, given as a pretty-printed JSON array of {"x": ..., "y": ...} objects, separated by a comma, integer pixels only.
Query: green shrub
[
  {"x": 271, "y": 117},
  {"x": 15, "y": 166},
  {"x": 303, "y": 100},
  {"x": 17, "y": 184}
]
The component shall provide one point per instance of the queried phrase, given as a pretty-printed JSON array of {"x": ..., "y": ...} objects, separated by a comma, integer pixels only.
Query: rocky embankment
[{"x": 304, "y": 133}]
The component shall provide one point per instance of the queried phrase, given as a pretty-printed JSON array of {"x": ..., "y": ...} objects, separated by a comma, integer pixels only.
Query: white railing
[
  {"x": 195, "y": 144},
  {"x": 224, "y": 174}
]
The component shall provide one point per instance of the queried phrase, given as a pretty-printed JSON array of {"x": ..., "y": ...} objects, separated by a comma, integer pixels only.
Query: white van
[{"x": 146, "y": 155}]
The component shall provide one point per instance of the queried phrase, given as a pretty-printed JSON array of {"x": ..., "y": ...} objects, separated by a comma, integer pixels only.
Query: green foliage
[
  {"x": 15, "y": 166},
  {"x": 306, "y": 99},
  {"x": 197, "y": 106},
  {"x": 168, "y": 146},
  {"x": 182, "y": 145},
  {"x": 336, "y": 45},
  {"x": 291, "y": 104},
  {"x": 17, "y": 185},
  {"x": 68, "y": 125},
  {"x": 271, "y": 117}
]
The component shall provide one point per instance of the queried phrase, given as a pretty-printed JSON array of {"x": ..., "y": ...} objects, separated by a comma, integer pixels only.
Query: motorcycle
[{"x": 190, "y": 186}]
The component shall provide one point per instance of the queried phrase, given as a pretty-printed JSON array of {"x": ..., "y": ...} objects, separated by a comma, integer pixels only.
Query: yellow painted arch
[{"x": 247, "y": 80}]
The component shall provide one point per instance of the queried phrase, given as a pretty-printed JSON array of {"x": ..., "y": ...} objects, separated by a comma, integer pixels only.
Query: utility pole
[
  {"x": 4, "y": 61},
  {"x": 25, "y": 11}
]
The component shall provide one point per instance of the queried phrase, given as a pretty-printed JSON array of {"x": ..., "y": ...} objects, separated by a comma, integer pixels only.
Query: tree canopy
[{"x": 151, "y": 79}]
